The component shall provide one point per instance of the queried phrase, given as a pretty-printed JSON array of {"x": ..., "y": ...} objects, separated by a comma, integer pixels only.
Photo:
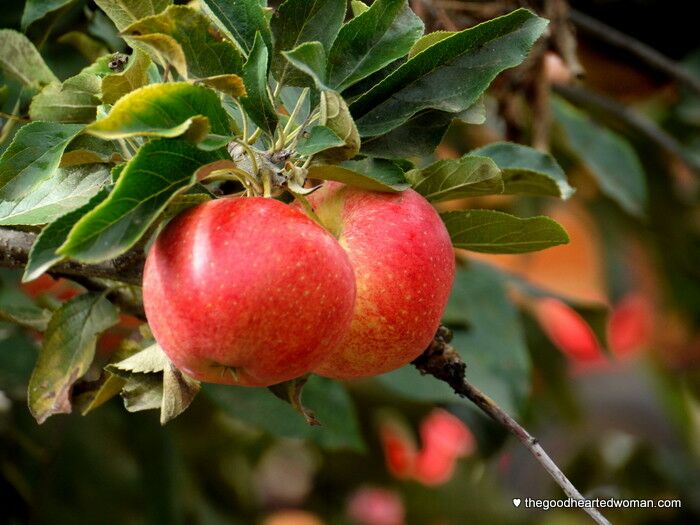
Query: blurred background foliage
[{"x": 593, "y": 346}]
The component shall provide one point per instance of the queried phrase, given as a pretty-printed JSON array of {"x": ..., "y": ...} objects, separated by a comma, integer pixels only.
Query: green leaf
[
  {"x": 421, "y": 134},
  {"x": 19, "y": 309},
  {"x": 108, "y": 386},
  {"x": 335, "y": 115},
  {"x": 526, "y": 170},
  {"x": 456, "y": 178},
  {"x": 20, "y": 60},
  {"x": 75, "y": 100},
  {"x": 37, "y": 9},
  {"x": 151, "y": 381},
  {"x": 240, "y": 20},
  {"x": 89, "y": 47},
  {"x": 358, "y": 7},
  {"x": 449, "y": 75},
  {"x": 43, "y": 254},
  {"x": 179, "y": 390},
  {"x": 428, "y": 40},
  {"x": 86, "y": 149},
  {"x": 150, "y": 360},
  {"x": 33, "y": 157},
  {"x": 66, "y": 190},
  {"x": 372, "y": 40},
  {"x": 257, "y": 103},
  {"x": 291, "y": 392},
  {"x": 134, "y": 76},
  {"x": 125, "y": 12},
  {"x": 261, "y": 408},
  {"x": 320, "y": 138},
  {"x": 67, "y": 352},
  {"x": 493, "y": 346},
  {"x": 609, "y": 157},
  {"x": 299, "y": 21},
  {"x": 186, "y": 38},
  {"x": 490, "y": 231},
  {"x": 159, "y": 171},
  {"x": 310, "y": 59},
  {"x": 143, "y": 392},
  {"x": 164, "y": 110},
  {"x": 368, "y": 174}
]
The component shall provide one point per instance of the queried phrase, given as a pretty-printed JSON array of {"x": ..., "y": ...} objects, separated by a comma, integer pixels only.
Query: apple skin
[
  {"x": 404, "y": 269},
  {"x": 249, "y": 284}
]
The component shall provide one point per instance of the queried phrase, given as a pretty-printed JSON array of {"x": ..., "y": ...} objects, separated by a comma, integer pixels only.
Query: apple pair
[{"x": 251, "y": 291}]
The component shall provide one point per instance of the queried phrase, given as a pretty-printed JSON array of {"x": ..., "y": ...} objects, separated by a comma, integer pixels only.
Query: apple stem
[
  {"x": 443, "y": 362},
  {"x": 308, "y": 208}
]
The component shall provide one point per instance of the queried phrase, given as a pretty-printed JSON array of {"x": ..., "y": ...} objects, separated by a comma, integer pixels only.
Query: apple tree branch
[{"x": 442, "y": 361}]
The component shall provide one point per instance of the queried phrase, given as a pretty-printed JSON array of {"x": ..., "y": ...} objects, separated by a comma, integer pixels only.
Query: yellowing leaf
[{"x": 67, "y": 352}]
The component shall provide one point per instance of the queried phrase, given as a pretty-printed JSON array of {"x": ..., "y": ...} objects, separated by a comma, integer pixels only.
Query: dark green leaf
[
  {"x": 328, "y": 399},
  {"x": 37, "y": 9},
  {"x": 369, "y": 174},
  {"x": 89, "y": 47},
  {"x": 134, "y": 76},
  {"x": 456, "y": 178},
  {"x": 493, "y": 346},
  {"x": 240, "y": 20},
  {"x": 491, "y": 231},
  {"x": 165, "y": 110},
  {"x": 125, "y": 12},
  {"x": 66, "y": 190},
  {"x": 609, "y": 157},
  {"x": 310, "y": 59},
  {"x": 159, "y": 171},
  {"x": 526, "y": 170},
  {"x": 419, "y": 135},
  {"x": 18, "y": 308},
  {"x": 183, "y": 32},
  {"x": 43, "y": 254},
  {"x": 257, "y": 103},
  {"x": 75, "y": 100},
  {"x": 335, "y": 115},
  {"x": 449, "y": 75},
  {"x": 299, "y": 21},
  {"x": 372, "y": 40},
  {"x": 67, "y": 352},
  {"x": 20, "y": 60},
  {"x": 318, "y": 139},
  {"x": 33, "y": 157}
]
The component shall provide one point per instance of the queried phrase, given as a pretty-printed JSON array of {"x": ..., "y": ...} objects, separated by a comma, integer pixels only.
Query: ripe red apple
[
  {"x": 247, "y": 291},
  {"x": 567, "y": 330},
  {"x": 404, "y": 268}
]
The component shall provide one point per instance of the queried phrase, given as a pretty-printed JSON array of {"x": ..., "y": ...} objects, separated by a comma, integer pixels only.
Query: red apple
[
  {"x": 247, "y": 291},
  {"x": 400, "y": 451},
  {"x": 404, "y": 268},
  {"x": 376, "y": 506},
  {"x": 567, "y": 330}
]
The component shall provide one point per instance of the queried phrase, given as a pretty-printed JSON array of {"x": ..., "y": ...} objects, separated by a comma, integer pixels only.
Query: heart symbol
[{"x": 516, "y": 502}]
